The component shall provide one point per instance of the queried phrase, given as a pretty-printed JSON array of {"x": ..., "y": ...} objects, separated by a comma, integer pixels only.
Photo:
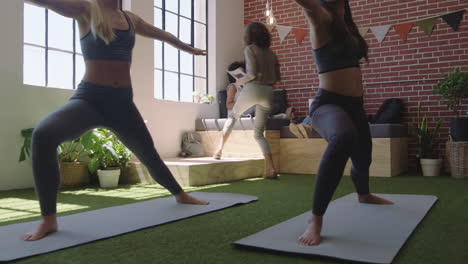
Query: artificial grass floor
[{"x": 441, "y": 238}]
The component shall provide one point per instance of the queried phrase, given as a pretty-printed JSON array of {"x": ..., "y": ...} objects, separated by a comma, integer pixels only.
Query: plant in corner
[
  {"x": 453, "y": 91},
  {"x": 108, "y": 155},
  {"x": 197, "y": 97},
  {"x": 70, "y": 154},
  {"x": 427, "y": 138}
]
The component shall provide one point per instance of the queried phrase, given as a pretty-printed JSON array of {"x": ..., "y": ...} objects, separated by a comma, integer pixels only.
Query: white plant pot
[
  {"x": 109, "y": 178},
  {"x": 431, "y": 167}
]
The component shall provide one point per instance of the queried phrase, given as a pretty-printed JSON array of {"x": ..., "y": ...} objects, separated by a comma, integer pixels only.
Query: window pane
[
  {"x": 200, "y": 66},
  {"x": 158, "y": 18},
  {"x": 186, "y": 63},
  {"x": 171, "y": 23},
  {"x": 200, "y": 10},
  {"x": 200, "y": 36},
  {"x": 79, "y": 69},
  {"x": 186, "y": 8},
  {"x": 34, "y": 66},
  {"x": 158, "y": 55},
  {"x": 34, "y": 25},
  {"x": 171, "y": 86},
  {"x": 158, "y": 3},
  {"x": 158, "y": 84},
  {"x": 171, "y": 58},
  {"x": 60, "y": 31},
  {"x": 172, "y": 5},
  {"x": 186, "y": 88},
  {"x": 60, "y": 70},
  {"x": 77, "y": 39},
  {"x": 185, "y": 33},
  {"x": 200, "y": 85}
]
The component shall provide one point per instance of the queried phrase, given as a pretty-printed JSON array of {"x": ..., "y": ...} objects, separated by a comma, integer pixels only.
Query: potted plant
[
  {"x": 73, "y": 171},
  {"x": 196, "y": 97},
  {"x": 211, "y": 98},
  {"x": 453, "y": 91},
  {"x": 427, "y": 139},
  {"x": 107, "y": 156}
]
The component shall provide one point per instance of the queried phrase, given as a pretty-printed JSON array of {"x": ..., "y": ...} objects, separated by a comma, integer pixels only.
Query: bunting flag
[
  {"x": 454, "y": 19},
  {"x": 283, "y": 31},
  {"x": 300, "y": 34},
  {"x": 427, "y": 25},
  {"x": 380, "y": 32},
  {"x": 363, "y": 31},
  {"x": 403, "y": 29}
]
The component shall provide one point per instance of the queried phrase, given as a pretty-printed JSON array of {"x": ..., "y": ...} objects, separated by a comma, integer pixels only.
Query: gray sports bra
[{"x": 94, "y": 48}]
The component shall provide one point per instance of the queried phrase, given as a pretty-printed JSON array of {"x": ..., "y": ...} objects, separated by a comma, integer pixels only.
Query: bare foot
[
  {"x": 295, "y": 130},
  {"x": 271, "y": 175},
  {"x": 49, "y": 225},
  {"x": 217, "y": 154},
  {"x": 311, "y": 236},
  {"x": 185, "y": 198},
  {"x": 372, "y": 199}
]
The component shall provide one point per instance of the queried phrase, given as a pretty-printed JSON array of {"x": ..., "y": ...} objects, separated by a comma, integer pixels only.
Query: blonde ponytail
[{"x": 100, "y": 23}]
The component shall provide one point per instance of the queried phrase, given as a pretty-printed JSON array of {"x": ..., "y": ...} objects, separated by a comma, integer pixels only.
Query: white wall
[{"x": 23, "y": 106}]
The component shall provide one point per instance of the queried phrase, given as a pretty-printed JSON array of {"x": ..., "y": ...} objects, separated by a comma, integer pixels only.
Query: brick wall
[{"x": 396, "y": 68}]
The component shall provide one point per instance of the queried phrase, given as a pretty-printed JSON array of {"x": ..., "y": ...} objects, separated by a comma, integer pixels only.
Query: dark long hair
[
  {"x": 257, "y": 33},
  {"x": 346, "y": 28}
]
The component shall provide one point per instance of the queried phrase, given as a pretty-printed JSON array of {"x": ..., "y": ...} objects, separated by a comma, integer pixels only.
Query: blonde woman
[{"x": 104, "y": 98}]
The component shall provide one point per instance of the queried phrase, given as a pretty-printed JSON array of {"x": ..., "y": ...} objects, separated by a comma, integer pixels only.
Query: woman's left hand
[{"x": 200, "y": 52}]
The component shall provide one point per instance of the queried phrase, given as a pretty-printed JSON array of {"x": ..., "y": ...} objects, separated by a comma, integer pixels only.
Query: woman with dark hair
[
  {"x": 104, "y": 98},
  {"x": 262, "y": 73},
  {"x": 233, "y": 89},
  {"x": 337, "y": 112}
]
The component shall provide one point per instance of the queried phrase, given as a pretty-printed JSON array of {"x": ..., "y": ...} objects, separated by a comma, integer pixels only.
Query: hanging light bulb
[
  {"x": 271, "y": 20},
  {"x": 267, "y": 9}
]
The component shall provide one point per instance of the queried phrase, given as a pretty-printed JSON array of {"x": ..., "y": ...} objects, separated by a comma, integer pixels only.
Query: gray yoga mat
[
  {"x": 352, "y": 231},
  {"x": 108, "y": 222}
]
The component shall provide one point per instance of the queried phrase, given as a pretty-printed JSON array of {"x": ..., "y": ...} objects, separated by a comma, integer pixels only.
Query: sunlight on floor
[{"x": 15, "y": 208}]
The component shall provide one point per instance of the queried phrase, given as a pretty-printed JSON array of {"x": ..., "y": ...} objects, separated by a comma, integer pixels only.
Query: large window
[
  {"x": 178, "y": 74},
  {"x": 52, "y": 53}
]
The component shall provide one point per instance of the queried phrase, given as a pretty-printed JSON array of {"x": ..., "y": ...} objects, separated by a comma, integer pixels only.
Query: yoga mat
[
  {"x": 108, "y": 222},
  {"x": 351, "y": 231}
]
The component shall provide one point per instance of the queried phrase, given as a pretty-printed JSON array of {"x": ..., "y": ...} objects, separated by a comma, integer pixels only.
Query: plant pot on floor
[
  {"x": 109, "y": 178},
  {"x": 431, "y": 167},
  {"x": 73, "y": 174},
  {"x": 459, "y": 129}
]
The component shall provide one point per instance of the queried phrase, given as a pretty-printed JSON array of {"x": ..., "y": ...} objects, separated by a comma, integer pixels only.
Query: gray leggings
[
  {"x": 92, "y": 106},
  {"x": 341, "y": 121},
  {"x": 261, "y": 96}
]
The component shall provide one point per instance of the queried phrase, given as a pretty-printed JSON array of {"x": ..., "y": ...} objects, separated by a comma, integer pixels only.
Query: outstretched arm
[
  {"x": 145, "y": 29},
  {"x": 76, "y": 9},
  {"x": 314, "y": 10}
]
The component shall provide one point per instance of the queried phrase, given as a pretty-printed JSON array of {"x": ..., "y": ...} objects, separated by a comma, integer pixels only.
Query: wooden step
[{"x": 206, "y": 170}]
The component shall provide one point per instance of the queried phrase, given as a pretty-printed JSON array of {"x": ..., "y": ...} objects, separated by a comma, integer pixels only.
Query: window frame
[
  {"x": 47, "y": 48},
  {"x": 163, "y": 69}
]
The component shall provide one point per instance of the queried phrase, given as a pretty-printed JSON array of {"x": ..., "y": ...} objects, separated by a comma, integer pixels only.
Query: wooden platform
[
  {"x": 203, "y": 171},
  {"x": 389, "y": 156},
  {"x": 198, "y": 171}
]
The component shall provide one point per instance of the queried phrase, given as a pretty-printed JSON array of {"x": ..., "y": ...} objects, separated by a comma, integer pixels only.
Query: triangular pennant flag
[
  {"x": 363, "y": 31},
  {"x": 380, "y": 32},
  {"x": 403, "y": 29},
  {"x": 427, "y": 25},
  {"x": 454, "y": 19},
  {"x": 283, "y": 31},
  {"x": 269, "y": 27},
  {"x": 300, "y": 34},
  {"x": 247, "y": 21}
]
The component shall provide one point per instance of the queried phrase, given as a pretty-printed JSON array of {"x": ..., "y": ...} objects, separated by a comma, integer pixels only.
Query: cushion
[
  {"x": 244, "y": 123},
  {"x": 377, "y": 131}
]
